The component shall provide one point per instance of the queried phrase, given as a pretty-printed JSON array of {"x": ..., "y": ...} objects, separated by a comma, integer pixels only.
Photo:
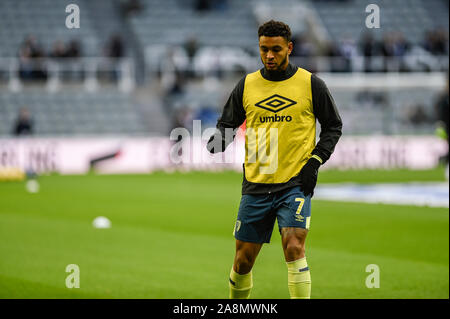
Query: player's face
[{"x": 274, "y": 52}]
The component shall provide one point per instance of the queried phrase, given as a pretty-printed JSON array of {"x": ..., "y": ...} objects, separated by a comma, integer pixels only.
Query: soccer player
[{"x": 280, "y": 103}]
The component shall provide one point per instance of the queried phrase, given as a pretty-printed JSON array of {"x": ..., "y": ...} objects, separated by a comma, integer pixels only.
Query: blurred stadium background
[{"x": 86, "y": 114}]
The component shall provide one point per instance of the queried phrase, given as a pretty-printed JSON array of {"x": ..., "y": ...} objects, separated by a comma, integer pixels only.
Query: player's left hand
[{"x": 308, "y": 176}]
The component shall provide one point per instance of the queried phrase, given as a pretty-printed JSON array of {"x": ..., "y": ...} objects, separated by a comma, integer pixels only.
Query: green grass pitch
[{"x": 171, "y": 237}]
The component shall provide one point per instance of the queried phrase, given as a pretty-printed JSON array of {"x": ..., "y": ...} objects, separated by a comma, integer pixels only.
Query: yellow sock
[
  {"x": 240, "y": 285},
  {"x": 299, "y": 279}
]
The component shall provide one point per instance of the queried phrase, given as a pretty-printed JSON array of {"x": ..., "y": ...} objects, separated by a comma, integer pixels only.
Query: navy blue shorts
[{"x": 257, "y": 213}]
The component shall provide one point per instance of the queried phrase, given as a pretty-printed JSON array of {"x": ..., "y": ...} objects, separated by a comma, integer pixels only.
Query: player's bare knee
[
  {"x": 294, "y": 250},
  {"x": 243, "y": 262},
  {"x": 242, "y": 267}
]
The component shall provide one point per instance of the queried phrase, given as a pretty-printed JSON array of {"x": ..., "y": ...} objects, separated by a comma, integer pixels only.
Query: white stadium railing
[{"x": 54, "y": 68}]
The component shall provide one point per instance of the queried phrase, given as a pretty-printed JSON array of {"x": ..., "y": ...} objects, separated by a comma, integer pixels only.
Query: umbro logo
[{"x": 275, "y": 103}]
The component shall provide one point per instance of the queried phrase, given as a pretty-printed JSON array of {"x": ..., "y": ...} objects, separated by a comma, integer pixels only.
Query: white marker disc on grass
[
  {"x": 32, "y": 186},
  {"x": 101, "y": 222}
]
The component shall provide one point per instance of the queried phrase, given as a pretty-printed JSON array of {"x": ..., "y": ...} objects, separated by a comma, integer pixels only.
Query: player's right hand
[{"x": 215, "y": 144}]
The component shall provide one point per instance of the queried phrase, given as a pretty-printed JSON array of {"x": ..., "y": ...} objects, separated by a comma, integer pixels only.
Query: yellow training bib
[{"x": 281, "y": 126}]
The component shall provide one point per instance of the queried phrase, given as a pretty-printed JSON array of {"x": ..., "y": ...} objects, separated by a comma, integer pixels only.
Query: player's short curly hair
[{"x": 274, "y": 29}]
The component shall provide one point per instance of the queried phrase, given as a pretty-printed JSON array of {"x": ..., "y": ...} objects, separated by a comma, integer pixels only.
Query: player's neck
[{"x": 279, "y": 75}]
